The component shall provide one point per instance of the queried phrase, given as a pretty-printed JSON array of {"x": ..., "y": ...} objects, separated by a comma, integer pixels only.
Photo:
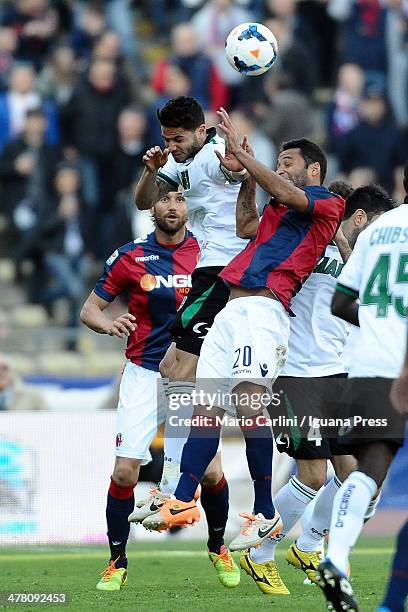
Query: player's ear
[
  {"x": 315, "y": 169},
  {"x": 202, "y": 130},
  {"x": 360, "y": 217}
]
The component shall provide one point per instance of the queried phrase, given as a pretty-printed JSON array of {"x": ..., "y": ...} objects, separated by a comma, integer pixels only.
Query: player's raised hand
[
  {"x": 399, "y": 393},
  {"x": 123, "y": 326},
  {"x": 231, "y": 135},
  {"x": 246, "y": 145},
  {"x": 229, "y": 161},
  {"x": 155, "y": 158}
]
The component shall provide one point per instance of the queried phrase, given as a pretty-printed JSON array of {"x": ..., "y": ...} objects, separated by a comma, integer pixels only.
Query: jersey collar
[
  {"x": 171, "y": 246},
  {"x": 211, "y": 132}
]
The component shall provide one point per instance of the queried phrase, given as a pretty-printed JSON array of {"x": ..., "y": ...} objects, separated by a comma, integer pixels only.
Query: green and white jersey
[
  {"x": 377, "y": 274},
  {"x": 211, "y": 199},
  {"x": 317, "y": 337}
]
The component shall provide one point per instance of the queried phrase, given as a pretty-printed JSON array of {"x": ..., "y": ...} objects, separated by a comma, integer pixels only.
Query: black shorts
[
  {"x": 370, "y": 416},
  {"x": 304, "y": 411},
  {"x": 208, "y": 295}
]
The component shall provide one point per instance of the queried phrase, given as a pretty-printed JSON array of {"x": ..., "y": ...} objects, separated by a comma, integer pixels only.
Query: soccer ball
[{"x": 251, "y": 48}]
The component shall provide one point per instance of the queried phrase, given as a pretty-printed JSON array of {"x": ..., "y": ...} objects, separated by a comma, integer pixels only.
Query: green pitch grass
[{"x": 175, "y": 576}]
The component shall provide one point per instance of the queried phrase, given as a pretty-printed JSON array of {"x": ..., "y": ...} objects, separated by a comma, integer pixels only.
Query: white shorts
[
  {"x": 141, "y": 409},
  {"x": 248, "y": 342}
]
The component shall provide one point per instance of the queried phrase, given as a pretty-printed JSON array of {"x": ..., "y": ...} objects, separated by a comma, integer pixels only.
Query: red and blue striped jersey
[
  {"x": 288, "y": 245},
  {"x": 156, "y": 277}
]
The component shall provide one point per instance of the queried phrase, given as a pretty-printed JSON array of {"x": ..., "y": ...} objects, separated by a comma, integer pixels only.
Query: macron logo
[{"x": 147, "y": 258}]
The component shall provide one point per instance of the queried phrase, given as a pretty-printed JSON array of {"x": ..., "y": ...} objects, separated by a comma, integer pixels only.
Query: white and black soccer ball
[{"x": 251, "y": 48}]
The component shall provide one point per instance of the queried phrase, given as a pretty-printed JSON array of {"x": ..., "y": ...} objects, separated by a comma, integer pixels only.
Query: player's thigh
[
  {"x": 126, "y": 471},
  {"x": 260, "y": 333},
  {"x": 207, "y": 297},
  {"x": 373, "y": 430},
  {"x": 141, "y": 409},
  {"x": 246, "y": 344},
  {"x": 213, "y": 383},
  {"x": 296, "y": 411}
]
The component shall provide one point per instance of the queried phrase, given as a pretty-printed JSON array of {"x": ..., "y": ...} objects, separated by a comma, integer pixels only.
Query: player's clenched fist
[
  {"x": 155, "y": 158},
  {"x": 122, "y": 326}
]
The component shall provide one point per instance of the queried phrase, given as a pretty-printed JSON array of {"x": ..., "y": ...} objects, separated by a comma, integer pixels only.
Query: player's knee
[
  {"x": 184, "y": 366},
  {"x": 313, "y": 473},
  {"x": 168, "y": 360},
  {"x": 315, "y": 482},
  {"x": 213, "y": 473},
  {"x": 125, "y": 475},
  {"x": 248, "y": 399},
  {"x": 212, "y": 477}
]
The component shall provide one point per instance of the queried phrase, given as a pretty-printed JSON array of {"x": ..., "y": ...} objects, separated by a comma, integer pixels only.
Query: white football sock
[
  {"x": 372, "y": 507},
  {"x": 290, "y": 501},
  {"x": 318, "y": 524},
  {"x": 180, "y": 407},
  {"x": 349, "y": 507}
]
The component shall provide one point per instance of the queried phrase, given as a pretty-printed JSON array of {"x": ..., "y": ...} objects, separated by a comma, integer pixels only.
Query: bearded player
[{"x": 139, "y": 267}]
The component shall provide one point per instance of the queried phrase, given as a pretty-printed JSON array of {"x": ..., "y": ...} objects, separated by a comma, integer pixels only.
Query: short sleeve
[
  {"x": 349, "y": 281},
  {"x": 115, "y": 278},
  {"x": 323, "y": 203},
  {"x": 168, "y": 173}
]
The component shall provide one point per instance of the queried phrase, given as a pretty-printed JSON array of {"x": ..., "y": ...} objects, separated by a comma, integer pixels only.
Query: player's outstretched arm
[
  {"x": 149, "y": 188},
  {"x": 92, "y": 316},
  {"x": 269, "y": 180},
  {"x": 345, "y": 307}
]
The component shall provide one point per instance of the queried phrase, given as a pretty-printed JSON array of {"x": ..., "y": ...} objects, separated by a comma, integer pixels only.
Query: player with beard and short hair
[
  {"x": 156, "y": 271},
  {"x": 211, "y": 191},
  {"x": 247, "y": 346},
  {"x": 310, "y": 381}
]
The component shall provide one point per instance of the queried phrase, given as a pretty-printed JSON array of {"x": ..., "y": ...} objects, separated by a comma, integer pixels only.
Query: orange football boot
[{"x": 173, "y": 513}]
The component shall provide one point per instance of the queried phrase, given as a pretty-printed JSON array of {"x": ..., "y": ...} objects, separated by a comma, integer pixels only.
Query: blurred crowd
[{"x": 80, "y": 82}]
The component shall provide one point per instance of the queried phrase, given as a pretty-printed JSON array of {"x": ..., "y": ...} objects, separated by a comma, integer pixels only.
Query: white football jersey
[
  {"x": 317, "y": 337},
  {"x": 377, "y": 274},
  {"x": 211, "y": 199}
]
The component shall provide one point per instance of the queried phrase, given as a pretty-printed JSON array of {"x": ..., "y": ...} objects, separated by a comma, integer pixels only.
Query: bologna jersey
[
  {"x": 377, "y": 275},
  {"x": 157, "y": 277},
  {"x": 287, "y": 245},
  {"x": 317, "y": 337},
  {"x": 211, "y": 198}
]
